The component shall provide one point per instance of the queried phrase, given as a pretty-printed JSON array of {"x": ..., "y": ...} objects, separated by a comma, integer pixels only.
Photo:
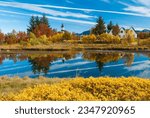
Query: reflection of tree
[
  {"x": 41, "y": 64},
  {"x": 102, "y": 58},
  {"x": 128, "y": 59}
]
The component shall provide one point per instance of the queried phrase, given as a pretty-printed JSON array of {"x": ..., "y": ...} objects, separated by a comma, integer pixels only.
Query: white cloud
[
  {"x": 36, "y": 8},
  {"x": 52, "y": 17},
  {"x": 143, "y": 2},
  {"x": 141, "y": 9},
  {"x": 100, "y": 11}
]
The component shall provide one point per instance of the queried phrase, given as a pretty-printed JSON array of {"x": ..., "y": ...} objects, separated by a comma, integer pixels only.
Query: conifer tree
[
  {"x": 100, "y": 27},
  {"x": 110, "y": 26}
]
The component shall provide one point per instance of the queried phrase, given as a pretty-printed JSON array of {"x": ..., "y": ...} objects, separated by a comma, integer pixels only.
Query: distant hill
[
  {"x": 145, "y": 30},
  {"x": 84, "y": 33}
]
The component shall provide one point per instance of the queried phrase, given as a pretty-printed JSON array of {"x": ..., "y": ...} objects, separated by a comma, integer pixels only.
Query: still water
[{"x": 72, "y": 64}]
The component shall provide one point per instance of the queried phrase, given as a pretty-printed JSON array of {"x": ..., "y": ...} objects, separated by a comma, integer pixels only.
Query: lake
[{"x": 73, "y": 64}]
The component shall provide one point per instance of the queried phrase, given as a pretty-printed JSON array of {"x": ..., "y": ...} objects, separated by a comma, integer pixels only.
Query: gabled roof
[{"x": 132, "y": 28}]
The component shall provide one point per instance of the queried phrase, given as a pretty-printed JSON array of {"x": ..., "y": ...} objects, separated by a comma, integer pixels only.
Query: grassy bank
[
  {"x": 103, "y": 88},
  {"x": 75, "y": 46}
]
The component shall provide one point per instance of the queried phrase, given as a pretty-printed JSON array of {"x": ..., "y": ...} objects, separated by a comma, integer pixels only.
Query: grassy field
[{"x": 101, "y": 89}]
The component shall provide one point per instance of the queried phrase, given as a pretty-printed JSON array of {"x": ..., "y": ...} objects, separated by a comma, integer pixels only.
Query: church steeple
[{"x": 62, "y": 27}]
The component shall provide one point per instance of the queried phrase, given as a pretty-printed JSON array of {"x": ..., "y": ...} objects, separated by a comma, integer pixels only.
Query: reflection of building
[{"x": 124, "y": 31}]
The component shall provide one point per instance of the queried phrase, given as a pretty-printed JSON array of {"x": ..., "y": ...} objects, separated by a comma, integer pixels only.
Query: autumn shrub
[
  {"x": 89, "y": 38},
  {"x": 101, "y": 89},
  {"x": 66, "y": 36},
  {"x": 108, "y": 38},
  {"x": 130, "y": 37},
  {"x": 43, "y": 39},
  {"x": 56, "y": 38}
]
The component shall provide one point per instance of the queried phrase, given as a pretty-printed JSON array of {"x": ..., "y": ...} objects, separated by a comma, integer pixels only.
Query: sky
[{"x": 76, "y": 15}]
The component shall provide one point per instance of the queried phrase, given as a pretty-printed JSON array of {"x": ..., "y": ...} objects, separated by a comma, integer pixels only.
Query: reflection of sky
[
  {"x": 142, "y": 68},
  {"x": 79, "y": 67}
]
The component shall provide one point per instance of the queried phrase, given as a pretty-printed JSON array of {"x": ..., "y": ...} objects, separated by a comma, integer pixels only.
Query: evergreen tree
[
  {"x": 100, "y": 27},
  {"x": 44, "y": 20},
  {"x": 37, "y": 21},
  {"x": 110, "y": 26},
  {"x": 32, "y": 24}
]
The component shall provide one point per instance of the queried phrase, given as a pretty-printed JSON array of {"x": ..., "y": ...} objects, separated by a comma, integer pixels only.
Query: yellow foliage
[
  {"x": 108, "y": 38},
  {"x": 102, "y": 89},
  {"x": 130, "y": 36},
  {"x": 57, "y": 37},
  {"x": 89, "y": 38}
]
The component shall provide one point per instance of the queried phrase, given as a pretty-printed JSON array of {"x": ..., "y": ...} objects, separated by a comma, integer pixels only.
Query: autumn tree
[
  {"x": 130, "y": 36},
  {"x": 100, "y": 27},
  {"x": 21, "y": 36},
  {"x": 40, "y": 26},
  {"x": 2, "y": 37},
  {"x": 43, "y": 29},
  {"x": 116, "y": 30}
]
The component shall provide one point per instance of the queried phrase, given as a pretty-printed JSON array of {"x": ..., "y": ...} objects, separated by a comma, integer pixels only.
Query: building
[
  {"x": 62, "y": 28},
  {"x": 123, "y": 32}
]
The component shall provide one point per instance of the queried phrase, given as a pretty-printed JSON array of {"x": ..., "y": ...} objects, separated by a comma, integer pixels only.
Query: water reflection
[{"x": 61, "y": 62}]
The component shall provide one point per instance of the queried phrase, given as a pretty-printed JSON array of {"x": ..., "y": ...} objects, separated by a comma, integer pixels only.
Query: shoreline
[{"x": 73, "y": 47}]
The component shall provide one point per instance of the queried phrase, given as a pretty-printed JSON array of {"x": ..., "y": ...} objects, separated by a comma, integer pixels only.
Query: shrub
[
  {"x": 108, "y": 38},
  {"x": 56, "y": 38},
  {"x": 89, "y": 38},
  {"x": 66, "y": 36},
  {"x": 130, "y": 37},
  {"x": 102, "y": 89}
]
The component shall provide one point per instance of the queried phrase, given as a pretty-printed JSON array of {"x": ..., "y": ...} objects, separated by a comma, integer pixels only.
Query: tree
[
  {"x": 43, "y": 29},
  {"x": 116, "y": 30},
  {"x": 37, "y": 21},
  {"x": 21, "y": 36},
  {"x": 44, "y": 20},
  {"x": 110, "y": 26},
  {"x": 100, "y": 27},
  {"x": 130, "y": 36},
  {"x": 2, "y": 37},
  {"x": 32, "y": 24}
]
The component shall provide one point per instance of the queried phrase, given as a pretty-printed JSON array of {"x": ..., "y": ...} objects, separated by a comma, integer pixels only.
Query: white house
[{"x": 123, "y": 32}]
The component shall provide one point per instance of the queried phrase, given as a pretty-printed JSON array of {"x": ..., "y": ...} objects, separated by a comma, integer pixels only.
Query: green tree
[
  {"x": 44, "y": 20},
  {"x": 100, "y": 27},
  {"x": 110, "y": 26},
  {"x": 32, "y": 24},
  {"x": 37, "y": 21}
]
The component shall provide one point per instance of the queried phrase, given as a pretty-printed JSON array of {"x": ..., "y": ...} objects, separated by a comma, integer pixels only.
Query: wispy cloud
[
  {"x": 100, "y": 11},
  {"x": 143, "y": 2},
  {"x": 68, "y": 1},
  {"x": 36, "y": 8},
  {"x": 141, "y": 9},
  {"x": 51, "y": 17}
]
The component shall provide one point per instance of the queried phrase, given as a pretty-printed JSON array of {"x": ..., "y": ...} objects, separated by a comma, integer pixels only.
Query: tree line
[{"x": 39, "y": 32}]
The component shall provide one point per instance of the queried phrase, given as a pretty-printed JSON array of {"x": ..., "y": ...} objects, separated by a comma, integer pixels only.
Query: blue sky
[{"x": 76, "y": 15}]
